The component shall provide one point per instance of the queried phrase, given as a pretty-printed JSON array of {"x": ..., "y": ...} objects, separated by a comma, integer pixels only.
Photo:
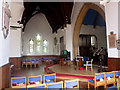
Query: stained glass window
[
  {"x": 38, "y": 42},
  {"x": 31, "y": 43},
  {"x": 45, "y": 43}
]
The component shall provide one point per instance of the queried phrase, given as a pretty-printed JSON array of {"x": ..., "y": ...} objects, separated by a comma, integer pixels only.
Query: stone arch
[{"x": 79, "y": 21}]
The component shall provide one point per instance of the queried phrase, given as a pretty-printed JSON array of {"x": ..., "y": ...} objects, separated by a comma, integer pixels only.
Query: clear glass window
[
  {"x": 93, "y": 40},
  {"x": 31, "y": 43},
  {"x": 45, "y": 44}
]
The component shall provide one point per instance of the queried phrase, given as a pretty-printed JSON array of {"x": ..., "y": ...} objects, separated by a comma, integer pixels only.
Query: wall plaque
[{"x": 112, "y": 41}]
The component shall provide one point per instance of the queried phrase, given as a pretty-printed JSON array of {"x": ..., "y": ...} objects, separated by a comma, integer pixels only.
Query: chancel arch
[{"x": 79, "y": 21}]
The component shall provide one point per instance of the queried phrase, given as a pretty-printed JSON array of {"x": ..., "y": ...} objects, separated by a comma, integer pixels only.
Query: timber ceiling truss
[{"x": 58, "y": 14}]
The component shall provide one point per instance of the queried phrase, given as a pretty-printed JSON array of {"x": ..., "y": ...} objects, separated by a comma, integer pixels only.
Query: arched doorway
[{"x": 79, "y": 21}]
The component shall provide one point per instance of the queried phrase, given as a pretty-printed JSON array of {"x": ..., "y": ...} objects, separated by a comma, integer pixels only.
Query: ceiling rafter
[{"x": 55, "y": 13}]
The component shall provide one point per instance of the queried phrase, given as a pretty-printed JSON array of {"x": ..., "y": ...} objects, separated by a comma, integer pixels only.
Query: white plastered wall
[
  {"x": 4, "y": 43},
  {"x": 111, "y": 11},
  {"x": 60, "y": 33},
  {"x": 67, "y": 33},
  {"x": 38, "y": 24},
  {"x": 15, "y": 33},
  {"x": 15, "y": 43},
  {"x": 99, "y": 32},
  {"x": 17, "y": 9}
]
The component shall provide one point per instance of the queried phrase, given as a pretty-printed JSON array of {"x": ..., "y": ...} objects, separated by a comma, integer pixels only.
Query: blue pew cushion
[
  {"x": 67, "y": 60},
  {"x": 91, "y": 80},
  {"x": 49, "y": 81},
  {"x": 36, "y": 79},
  {"x": 87, "y": 64},
  {"x": 109, "y": 76},
  {"x": 49, "y": 77},
  {"x": 117, "y": 74},
  {"x": 101, "y": 76},
  {"x": 112, "y": 88},
  {"x": 71, "y": 84},
  {"x": 55, "y": 86}
]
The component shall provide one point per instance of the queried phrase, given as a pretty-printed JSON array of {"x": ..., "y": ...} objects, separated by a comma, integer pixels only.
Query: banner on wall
[{"x": 6, "y": 15}]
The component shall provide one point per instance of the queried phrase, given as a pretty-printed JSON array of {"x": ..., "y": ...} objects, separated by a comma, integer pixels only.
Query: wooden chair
[
  {"x": 28, "y": 62},
  {"x": 116, "y": 75},
  {"x": 18, "y": 82},
  {"x": 99, "y": 80},
  {"x": 49, "y": 78},
  {"x": 89, "y": 64},
  {"x": 110, "y": 78},
  {"x": 37, "y": 86},
  {"x": 68, "y": 61},
  {"x": 37, "y": 62},
  {"x": 33, "y": 62},
  {"x": 118, "y": 83},
  {"x": 34, "y": 79},
  {"x": 23, "y": 62},
  {"x": 115, "y": 87},
  {"x": 40, "y": 61},
  {"x": 52, "y": 86},
  {"x": 46, "y": 60},
  {"x": 71, "y": 83}
]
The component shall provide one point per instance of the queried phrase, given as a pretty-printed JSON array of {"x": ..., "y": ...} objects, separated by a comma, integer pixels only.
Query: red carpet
[{"x": 65, "y": 75}]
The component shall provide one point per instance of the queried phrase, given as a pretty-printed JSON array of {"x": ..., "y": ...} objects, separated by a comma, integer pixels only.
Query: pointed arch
[{"x": 79, "y": 21}]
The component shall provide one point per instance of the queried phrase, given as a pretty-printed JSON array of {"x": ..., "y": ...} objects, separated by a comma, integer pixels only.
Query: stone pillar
[{"x": 68, "y": 32}]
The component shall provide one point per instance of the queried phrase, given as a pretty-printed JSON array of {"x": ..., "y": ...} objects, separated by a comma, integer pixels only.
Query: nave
[{"x": 64, "y": 72}]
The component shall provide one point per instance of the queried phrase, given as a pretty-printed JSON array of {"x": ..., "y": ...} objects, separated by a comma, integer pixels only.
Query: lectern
[{"x": 79, "y": 62}]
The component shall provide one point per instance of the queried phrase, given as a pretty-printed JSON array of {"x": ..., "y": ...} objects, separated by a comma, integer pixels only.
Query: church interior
[{"x": 59, "y": 45}]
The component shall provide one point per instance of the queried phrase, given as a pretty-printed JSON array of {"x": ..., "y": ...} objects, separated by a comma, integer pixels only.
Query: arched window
[
  {"x": 93, "y": 40},
  {"x": 31, "y": 43},
  {"x": 38, "y": 42},
  {"x": 45, "y": 44}
]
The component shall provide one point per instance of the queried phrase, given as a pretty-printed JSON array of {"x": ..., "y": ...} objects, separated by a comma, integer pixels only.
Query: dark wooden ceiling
[{"x": 58, "y": 14}]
